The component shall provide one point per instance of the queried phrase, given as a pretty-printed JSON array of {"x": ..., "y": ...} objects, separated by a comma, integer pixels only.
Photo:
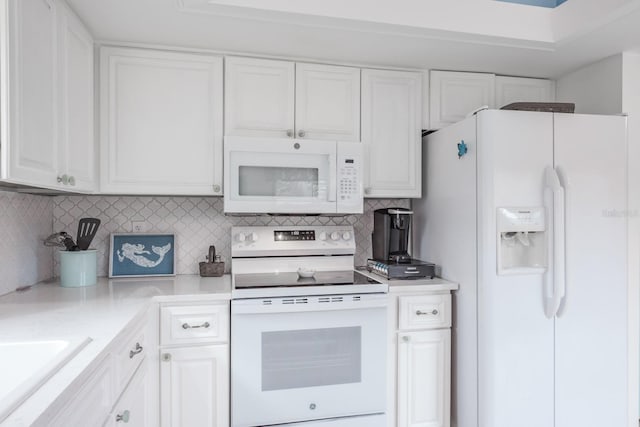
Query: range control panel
[
  {"x": 292, "y": 240},
  {"x": 288, "y": 235}
]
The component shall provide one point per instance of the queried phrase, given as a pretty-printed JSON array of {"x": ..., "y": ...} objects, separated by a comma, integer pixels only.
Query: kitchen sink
[{"x": 27, "y": 365}]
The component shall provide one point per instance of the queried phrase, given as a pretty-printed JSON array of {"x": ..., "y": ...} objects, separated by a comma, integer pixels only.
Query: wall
[
  {"x": 197, "y": 222},
  {"x": 595, "y": 89},
  {"x": 25, "y": 221}
]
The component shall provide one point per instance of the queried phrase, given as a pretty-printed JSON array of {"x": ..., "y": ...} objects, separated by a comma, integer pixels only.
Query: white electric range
[{"x": 308, "y": 333}]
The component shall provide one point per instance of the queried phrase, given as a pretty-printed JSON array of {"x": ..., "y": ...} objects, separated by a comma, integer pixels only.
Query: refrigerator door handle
[
  {"x": 560, "y": 221},
  {"x": 548, "y": 286},
  {"x": 554, "y": 279}
]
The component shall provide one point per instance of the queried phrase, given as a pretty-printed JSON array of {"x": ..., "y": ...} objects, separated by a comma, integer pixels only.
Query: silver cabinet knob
[
  {"x": 137, "y": 350},
  {"x": 406, "y": 338},
  {"x": 433, "y": 312},
  {"x": 166, "y": 357},
  {"x": 124, "y": 417},
  {"x": 71, "y": 180},
  {"x": 367, "y": 190},
  {"x": 63, "y": 179},
  {"x": 301, "y": 133},
  {"x": 290, "y": 133},
  {"x": 216, "y": 188}
]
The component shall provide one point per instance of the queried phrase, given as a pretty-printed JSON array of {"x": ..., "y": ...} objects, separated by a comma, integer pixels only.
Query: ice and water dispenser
[{"x": 522, "y": 241}]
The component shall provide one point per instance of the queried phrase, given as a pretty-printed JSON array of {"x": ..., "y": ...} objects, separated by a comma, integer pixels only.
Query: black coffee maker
[
  {"x": 390, "y": 238},
  {"x": 390, "y": 244}
]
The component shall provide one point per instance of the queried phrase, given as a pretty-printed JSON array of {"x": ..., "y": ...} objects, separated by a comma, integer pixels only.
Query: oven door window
[{"x": 311, "y": 357}]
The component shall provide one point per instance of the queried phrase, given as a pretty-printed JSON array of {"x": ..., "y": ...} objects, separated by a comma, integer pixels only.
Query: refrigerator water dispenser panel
[{"x": 521, "y": 240}]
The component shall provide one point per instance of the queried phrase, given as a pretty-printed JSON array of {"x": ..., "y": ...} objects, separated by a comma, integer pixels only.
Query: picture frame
[{"x": 142, "y": 255}]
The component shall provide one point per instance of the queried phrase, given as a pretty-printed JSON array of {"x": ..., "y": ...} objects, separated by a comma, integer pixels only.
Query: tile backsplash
[
  {"x": 196, "y": 221},
  {"x": 25, "y": 221}
]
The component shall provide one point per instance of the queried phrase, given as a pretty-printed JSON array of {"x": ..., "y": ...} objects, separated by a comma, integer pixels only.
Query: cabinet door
[
  {"x": 194, "y": 386},
  {"x": 517, "y": 89},
  {"x": 391, "y": 134},
  {"x": 31, "y": 149},
  {"x": 91, "y": 404},
  {"x": 424, "y": 371},
  {"x": 259, "y": 97},
  {"x": 454, "y": 95},
  {"x": 327, "y": 102},
  {"x": 161, "y": 122},
  {"x": 77, "y": 139},
  {"x": 131, "y": 409}
]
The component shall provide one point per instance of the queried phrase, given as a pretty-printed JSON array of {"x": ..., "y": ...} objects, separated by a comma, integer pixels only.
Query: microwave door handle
[{"x": 333, "y": 178}]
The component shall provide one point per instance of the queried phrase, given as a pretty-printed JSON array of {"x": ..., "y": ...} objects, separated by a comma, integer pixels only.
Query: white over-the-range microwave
[{"x": 292, "y": 176}]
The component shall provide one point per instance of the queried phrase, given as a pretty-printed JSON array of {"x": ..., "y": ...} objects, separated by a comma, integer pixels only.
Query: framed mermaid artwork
[{"x": 142, "y": 255}]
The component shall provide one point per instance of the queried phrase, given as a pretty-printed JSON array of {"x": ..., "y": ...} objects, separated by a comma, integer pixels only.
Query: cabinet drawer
[
  {"x": 128, "y": 355},
  {"x": 194, "y": 324},
  {"x": 423, "y": 312}
]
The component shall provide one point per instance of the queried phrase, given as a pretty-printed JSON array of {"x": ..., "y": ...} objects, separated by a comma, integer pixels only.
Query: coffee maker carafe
[{"x": 391, "y": 228}]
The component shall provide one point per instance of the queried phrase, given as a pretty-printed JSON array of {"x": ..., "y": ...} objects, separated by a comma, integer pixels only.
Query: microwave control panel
[{"x": 349, "y": 177}]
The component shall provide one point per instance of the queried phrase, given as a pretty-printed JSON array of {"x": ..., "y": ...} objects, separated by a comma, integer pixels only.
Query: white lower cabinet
[
  {"x": 424, "y": 368},
  {"x": 420, "y": 360},
  {"x": 114, "y": 393},
  {"x": 92, "y": 403},
  {"x": 131, "y": 408},
  {"x": 194, "y": 386},
  {"x": 194, "y": 365}
]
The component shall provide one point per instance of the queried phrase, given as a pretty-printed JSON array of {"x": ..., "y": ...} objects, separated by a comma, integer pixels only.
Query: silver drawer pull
[
  {"x": 124, "y": 417},
  {"x": 188, "y": 326},
  {"x": 426, "y": 313},
  {"x": 135, "y": 351}
]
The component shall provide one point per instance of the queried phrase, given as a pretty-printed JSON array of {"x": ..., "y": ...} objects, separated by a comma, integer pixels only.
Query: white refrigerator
[{"x": 528, "y": 212}]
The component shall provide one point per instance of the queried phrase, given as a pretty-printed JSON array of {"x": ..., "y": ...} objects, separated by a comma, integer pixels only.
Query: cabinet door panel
[
  {"x": 391, "y": 134},
  {"x": 194, "y": 386},
  {"x": 424, "y": 369},
  {"x": 161, "y": 122},
  {"x": 516, "y": 89},
  {"x": 259, "y": 97},
  {"x": 327, "y": 102},
  {"x": 77, "y": 140},
  {"x": 33, "y": 152},
  {"x": 131, "y": 408},
  {"x": 454, "y": 95}
]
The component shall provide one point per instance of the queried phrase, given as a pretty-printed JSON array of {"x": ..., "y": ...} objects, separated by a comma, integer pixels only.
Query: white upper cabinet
[
  {"x": 327, "y": 102},
  {"x": 286, "y": 99},
  {"x": 518, "y": 89},
  {"x": 161, "y": 122},
  {"x": 47, "y": 123},
  {"x": 391, "y": 133},
  {"x": 456, "y": 94},
  {"x": 259, "y": 97},
  {"x": 29, "y": 128},
  {"x": 76, "y": 130}
]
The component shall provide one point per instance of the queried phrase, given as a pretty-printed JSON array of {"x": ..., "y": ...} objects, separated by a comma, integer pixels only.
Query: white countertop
[
  {"x": 48, "y": 311},
  {"x": 413, "y": 285}
]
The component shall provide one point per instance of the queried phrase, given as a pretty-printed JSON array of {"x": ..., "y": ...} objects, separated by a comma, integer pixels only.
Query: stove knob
[
  {"x": 322, "y": 236},
  {"x": 335, "y": 236},
  {"x": 241, "y": 237},
  {"x": 253, "y": 237},
  {"x": 346, "y": 235}
]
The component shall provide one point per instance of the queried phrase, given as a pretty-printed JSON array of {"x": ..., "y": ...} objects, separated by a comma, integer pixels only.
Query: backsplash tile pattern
[
  {"x": 25, "y": 221},
  {"x": 197, "y": 222}
]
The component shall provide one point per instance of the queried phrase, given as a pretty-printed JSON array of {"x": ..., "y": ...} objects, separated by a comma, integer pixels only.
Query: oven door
[
  {"x": 271, "y": 175},
  {"x": 307, "y": 358}
]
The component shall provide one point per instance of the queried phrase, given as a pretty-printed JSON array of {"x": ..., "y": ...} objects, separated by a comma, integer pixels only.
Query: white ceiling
[{"x": 472, "y": 35}]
